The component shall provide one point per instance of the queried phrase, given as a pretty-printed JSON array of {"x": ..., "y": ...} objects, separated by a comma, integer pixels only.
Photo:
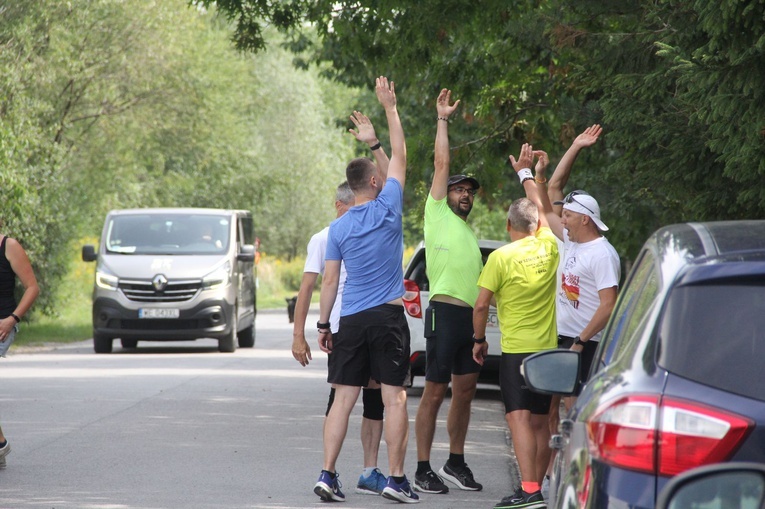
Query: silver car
[
  {"x": 174, "y": 274},
  {"x": 416, "y": 301}
]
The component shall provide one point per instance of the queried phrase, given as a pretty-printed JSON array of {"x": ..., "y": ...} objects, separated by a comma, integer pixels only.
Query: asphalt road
[{"x": 180, "y": 425}]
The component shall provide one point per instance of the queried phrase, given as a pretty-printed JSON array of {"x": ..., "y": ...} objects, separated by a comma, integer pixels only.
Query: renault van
[{"x": 174, "y": 274}]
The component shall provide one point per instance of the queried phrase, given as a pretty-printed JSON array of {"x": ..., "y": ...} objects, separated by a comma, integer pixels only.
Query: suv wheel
[
  {"x": 228, "y": 343},
  {"x": 101, "y": 343},
  {"x": 247, "y": 337}
]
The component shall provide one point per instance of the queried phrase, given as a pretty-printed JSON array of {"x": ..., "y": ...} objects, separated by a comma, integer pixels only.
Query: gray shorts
[{"x": 5, "y": 345}]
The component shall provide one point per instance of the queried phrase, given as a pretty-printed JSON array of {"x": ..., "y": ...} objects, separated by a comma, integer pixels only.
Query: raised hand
[
  {"x": 386, "y": 92},
  {"x": 525, "y": 159},
  {"x": 365, "y": 132},
  {"x": 442, "y": 103},
  {"x": 542, "y": 162},
  {"x": 588, "y": 137}
]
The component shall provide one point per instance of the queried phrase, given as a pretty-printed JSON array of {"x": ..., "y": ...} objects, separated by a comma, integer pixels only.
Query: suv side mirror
[
  {"x": 552, "y": 372},
  {"x": 722, "y": 485},
  {"x": 89, "y": 253},
  {"x": 246, "y": 253}
]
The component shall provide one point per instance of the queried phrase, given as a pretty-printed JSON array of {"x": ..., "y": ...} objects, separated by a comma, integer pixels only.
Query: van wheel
[
  {"x": 247, "y": 337},
  {"x": 129, "y": 343},
  {"x": 101, "y": 343},
  {"x": 228, "y": 344}
]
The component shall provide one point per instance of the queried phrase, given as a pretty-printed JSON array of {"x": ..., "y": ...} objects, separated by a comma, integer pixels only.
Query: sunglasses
[
  {"x": 460, "y": 190},
  {"x": 571, "y": 198}
]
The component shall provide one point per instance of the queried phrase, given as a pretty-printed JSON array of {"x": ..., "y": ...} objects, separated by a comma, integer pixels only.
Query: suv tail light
[
  {"x": 412, "y": 299},
  {"x": 664, "y": 437}
]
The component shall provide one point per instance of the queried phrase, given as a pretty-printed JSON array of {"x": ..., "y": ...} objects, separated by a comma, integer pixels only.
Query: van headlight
[
  {"x": 217, "y": 278},
  {"x": 106, "y": 280}
]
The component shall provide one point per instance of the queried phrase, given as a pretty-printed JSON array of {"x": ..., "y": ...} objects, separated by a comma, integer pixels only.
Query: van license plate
[
  {"x": 159, "y": 313},
  {"x": 491, "y": 320}
]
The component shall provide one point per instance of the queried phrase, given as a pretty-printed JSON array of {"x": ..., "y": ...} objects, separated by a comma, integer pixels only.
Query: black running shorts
[
  {"x": 373, "y": 343},
  {"x": 515, "y": 394},
  {"x": 448, "y": 342}
]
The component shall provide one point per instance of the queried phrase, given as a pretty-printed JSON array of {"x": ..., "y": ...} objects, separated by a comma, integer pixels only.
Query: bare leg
[
  {"x": 371, "y": 433},
  {"x": 427, "y": 413},
  {"x": 524, "y": 443},
  {"x": 463, "y": 391},
  {"x": 336, "y": 423},
  {"x": 396, "y": 427},
  {"x": 539, "y": 424}
]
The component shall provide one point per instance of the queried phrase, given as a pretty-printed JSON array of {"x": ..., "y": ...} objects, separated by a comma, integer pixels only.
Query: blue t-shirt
[{"x": 369, "y": 239}]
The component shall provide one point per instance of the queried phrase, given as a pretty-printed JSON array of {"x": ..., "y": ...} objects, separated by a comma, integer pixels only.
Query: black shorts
[
  {"x": 373, "y": 343},
  {"x": 586, "y": 357},
  {"x": 515, "y": 394},
  {"x": 449, "y": 342}
]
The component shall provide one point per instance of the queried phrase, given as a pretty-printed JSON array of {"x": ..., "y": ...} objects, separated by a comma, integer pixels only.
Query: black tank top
[{"x": 7, "y": 283}]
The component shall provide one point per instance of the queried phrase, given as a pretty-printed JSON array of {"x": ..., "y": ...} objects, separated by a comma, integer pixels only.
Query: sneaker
[
  {"x": 522, "y": 500},
  {"x": 372, "y": 485},
  {"x": 4, "y": 450},
  {"x": 546, "y": 488},
  {"x": 429, "y": 482},
  {"x": 400, "y": 492},
  {"x": 328, "y": 487},
  {"x": 461, "y": 476}
]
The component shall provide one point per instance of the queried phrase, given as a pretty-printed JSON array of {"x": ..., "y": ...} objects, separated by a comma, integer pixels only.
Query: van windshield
[
  {"x": 713, "y": 334},
  {"x": 168, "y": 234}
]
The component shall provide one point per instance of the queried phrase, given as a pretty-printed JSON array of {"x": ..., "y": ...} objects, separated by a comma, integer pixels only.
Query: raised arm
[
  {"x": 562, "y": 172},
  {"x": 438, "y": 188},
  {"x": 386, "y": 94},
  {"x": 365, "y": 133},
  {"x": 524, "y": 162}
]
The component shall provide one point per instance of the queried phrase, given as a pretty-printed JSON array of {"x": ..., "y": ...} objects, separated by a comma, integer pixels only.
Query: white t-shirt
[
  {"x": 585, "y": 269},
  {"x": 314, "y": 263}
]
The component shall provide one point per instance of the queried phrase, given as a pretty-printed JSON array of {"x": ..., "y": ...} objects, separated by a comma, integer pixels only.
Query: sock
[
  {"x": 368, "y": 471},
  {"x": 530, "y": 487},
  {"x": 456, "y": 460},
  {"x": 423, "y": 467},
  {"x": 398, "y": 480}
]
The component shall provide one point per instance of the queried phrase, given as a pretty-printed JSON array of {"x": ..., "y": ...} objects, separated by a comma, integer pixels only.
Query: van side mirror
[
  {"x": 246, "y": 253},
  {"x": 89, "y": 253},
  {"x": 552, "y": 372},
  {"x": 720, "y": 485}
]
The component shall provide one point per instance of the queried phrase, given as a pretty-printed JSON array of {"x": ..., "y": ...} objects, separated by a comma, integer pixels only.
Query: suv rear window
[{"x": 714, "y": 334}]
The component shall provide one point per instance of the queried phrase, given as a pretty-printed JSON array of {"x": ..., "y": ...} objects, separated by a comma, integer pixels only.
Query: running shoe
[
  {"x": 461, "y": 476},
  {"x": 328, "y": 487},
  {"x": 372, "y": 485},
  {"x": 429, "y": 482},
  {"x": 400, "y": 492}
]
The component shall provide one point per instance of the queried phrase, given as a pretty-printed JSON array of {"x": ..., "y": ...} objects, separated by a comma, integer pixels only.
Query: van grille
[{"x": 175, "y": 291}]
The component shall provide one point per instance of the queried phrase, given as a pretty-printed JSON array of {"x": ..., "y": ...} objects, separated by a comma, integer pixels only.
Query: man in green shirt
[
  {"x": 521, "y": 276},
  {"x": 454, "y": 263}
]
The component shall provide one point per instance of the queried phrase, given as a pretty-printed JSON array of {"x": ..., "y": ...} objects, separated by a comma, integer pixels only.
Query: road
[{"x": 180, "y": 425}]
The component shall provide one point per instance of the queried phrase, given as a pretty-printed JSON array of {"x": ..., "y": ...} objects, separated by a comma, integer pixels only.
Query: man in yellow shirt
[{"x": 521, "y": 276}]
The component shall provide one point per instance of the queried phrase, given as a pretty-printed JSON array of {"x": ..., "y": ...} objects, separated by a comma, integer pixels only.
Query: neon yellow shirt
[
  {"x": 522, "y": 276},
  {"x": 452, "y": 257}
]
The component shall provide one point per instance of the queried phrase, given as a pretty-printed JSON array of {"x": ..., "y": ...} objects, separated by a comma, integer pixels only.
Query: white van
[{"x": 174, "y": 274}]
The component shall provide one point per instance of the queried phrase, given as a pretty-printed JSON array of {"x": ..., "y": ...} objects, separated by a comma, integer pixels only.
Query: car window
[
  {"x": 630, "y": 316},
  {"x": 712, "y": 333}
]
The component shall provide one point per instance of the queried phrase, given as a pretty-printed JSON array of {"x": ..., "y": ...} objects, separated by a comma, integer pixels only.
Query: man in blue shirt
[{"x": 373, "y": 340}]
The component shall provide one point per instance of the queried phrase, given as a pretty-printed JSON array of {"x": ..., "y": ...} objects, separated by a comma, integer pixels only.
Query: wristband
[
  {"x": 445, "y": 119},
  {"x": 322, "y": 326},
  {"x": 525, "y": 174},
  {"x": 540, "y": 180},
  {"x": 15, "y": 317},
  {"x": 375, "y": 146},
  {"x": 578, "y": 341},
  {"x": 479, "y": 341}
]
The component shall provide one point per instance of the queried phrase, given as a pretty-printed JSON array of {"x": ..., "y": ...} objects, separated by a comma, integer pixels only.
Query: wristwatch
[
  {"x": 322, "y": 326},
  {"x": 578, "y": 341},
  {"x": 479, "y": 341}
]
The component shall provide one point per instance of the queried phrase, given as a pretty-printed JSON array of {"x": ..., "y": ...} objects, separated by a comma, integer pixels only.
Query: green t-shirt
[
  {"x": 452, "y": 256},
  {"x": 522, "y": 276}
]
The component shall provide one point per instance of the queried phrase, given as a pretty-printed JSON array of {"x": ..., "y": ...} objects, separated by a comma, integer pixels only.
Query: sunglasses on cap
[{"x": 571, "y": 198}]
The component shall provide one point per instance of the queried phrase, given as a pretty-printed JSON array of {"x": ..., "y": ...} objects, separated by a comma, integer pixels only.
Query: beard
[{"x": 461, "y": 208}]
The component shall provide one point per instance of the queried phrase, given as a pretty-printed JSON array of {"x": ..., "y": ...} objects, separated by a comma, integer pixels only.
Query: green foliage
[{"x": 678, "y": 87}]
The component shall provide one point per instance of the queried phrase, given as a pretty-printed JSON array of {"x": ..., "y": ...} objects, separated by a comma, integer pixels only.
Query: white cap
[{"x": 584, "y": 204}]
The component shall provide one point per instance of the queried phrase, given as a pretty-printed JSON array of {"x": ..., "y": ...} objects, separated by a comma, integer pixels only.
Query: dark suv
[{"x": 677, "y": 381}]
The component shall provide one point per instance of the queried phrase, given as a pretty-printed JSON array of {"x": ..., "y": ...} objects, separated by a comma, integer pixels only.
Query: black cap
[{"x": 455, "y": 179}]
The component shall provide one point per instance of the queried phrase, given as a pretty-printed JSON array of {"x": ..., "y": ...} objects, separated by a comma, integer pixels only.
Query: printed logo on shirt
[{"x": 570, "y": 289}]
